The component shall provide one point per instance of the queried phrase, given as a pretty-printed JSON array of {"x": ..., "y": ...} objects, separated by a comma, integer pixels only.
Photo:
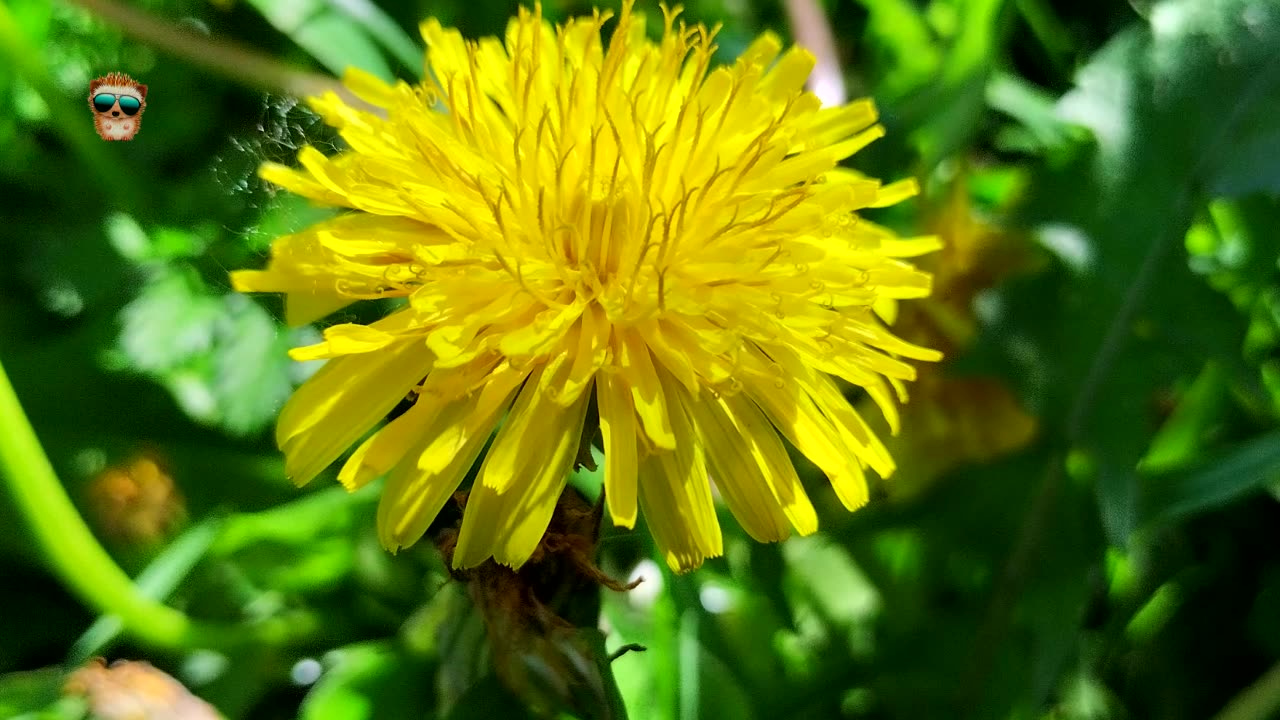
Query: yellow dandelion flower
[{"x": 567, "y": 221}]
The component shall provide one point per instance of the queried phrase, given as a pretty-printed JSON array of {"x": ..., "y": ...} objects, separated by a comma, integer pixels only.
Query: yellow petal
[
  {"x": 509, "y": 525},
  {"x": 300, "y": 183},
  {"x": 787, "y": 76},
  {"x": 385, "y": 448},
  {"x": 344, "y": 339},
  {"x": 431, "y": 471},
  {"x": 675, "y": 494},
  {"x": 833, "y": 124},
  {"x": 894, "y": 193},
  {"x": 736, "y": 473},
  {"x": 369, "y": 87},
  {"x": 342, "y": 401},
  {"x": 302, "y": 308},
  {"x": 618, "y": 430},
  {"x": 535, "y": 427},
  {"x": 910, "y": 247},
  {"x": 794, "y": 413},
  {"x": 637, "y": 369},
  {"x": 771, "y": 455}
]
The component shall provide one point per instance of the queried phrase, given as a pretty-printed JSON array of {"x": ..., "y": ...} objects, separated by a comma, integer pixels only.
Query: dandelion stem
[{"x": 82, "y": 564}]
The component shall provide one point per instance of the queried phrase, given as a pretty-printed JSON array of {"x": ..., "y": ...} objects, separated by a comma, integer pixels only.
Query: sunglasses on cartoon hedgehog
[{"x": 129, "y": 105}]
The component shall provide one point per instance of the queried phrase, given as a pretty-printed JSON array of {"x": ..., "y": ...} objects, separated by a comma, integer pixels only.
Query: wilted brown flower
[
  {"x": 135, "y": 690},
  {"x": 136, "y": 502}
]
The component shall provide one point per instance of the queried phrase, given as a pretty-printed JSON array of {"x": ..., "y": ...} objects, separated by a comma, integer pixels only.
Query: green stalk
[{"x": 82, "y": 564}]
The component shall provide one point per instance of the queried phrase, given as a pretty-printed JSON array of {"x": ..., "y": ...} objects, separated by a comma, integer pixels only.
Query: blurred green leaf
[
  {"x": 370, "y": 681},
  {"x": 300, "y": 546},
  {"x": 1034, "y": 110},
  {"x": 1217, "y": 481},
  {"x": 1161, "y": 102},
  {"x": 910, "y": 54},
  {"x": 1185, "y": 433},
  {"x": 28, "y": 692},
  {"x": 157, "y": 581},
  {"x": 384, "y": 30},
  {"x": 222, "y": 357},
  {"x": 326, "y": 32},
  {"x": 172, "y": 322},
  {"x": 947, "y": 113}
]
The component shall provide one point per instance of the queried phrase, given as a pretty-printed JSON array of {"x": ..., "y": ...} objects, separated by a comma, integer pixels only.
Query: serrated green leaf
[
  {"x": 250, "y": 368},
  {"x": 172, "y": 321}
]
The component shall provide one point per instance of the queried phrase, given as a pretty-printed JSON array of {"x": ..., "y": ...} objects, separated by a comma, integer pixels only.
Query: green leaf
[
  {"x": 157, "y": 581},
  {"x": 370, "y": 681},
  {"x": 948, "y": 111},
  {"x": 171, "y": 322},
  {"x": 1247, "y": 468},
  {"x": 249, "y": 374},
  {"x": 384, "y": 30},
  {"x": 910, "y": 54},
  {"x": 222, "y": 357},
  {"x": 1162, "y": 102},
  {"x": 299, "y": 546},
  {"x": 327, "y": 33},
  {"x": 1034, "y": 109},
  {"x": 1184, "y": 435},
  {"x": 27, "y": 692}
]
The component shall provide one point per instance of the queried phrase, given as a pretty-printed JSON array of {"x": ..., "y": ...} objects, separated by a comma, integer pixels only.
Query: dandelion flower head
[{"x": 572, "y": 221}]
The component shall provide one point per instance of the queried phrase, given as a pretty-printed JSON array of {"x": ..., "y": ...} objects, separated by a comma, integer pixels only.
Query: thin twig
[
  {"x": 813, "y": 32},
  {"x": 219, "y": 55}
]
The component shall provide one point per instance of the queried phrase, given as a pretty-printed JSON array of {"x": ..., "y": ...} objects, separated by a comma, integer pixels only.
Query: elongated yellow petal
[
  {"x": 430, "y": 472},
  {"x": 508, "y": 525},
  {"x": 675, "y": 495},
  {"x": 646, "y": 391},
  {"x": 534, "y": 427},
  {"x": 773, "y": 461},
  {"x": 618, "y": 430},
  {"x": 736, "y": 472},
  {"x": 302, "y": 308},
  {"x": 794, "y": 413},
  {"x": 345, "y": 339},
  {"x": 342, "y": 401}
]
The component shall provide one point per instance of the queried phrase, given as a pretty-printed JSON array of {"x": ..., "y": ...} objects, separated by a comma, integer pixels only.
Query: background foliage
[{"x": 1085, "y": 523}]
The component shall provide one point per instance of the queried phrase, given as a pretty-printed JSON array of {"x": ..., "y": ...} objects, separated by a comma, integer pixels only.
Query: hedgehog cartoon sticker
[{"x": 117, "y": 102}]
